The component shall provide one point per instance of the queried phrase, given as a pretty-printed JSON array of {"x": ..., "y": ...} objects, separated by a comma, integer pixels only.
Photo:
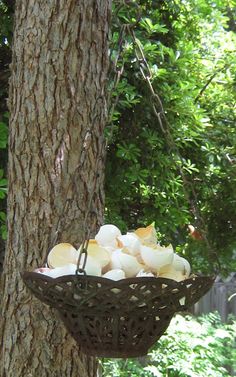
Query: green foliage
[
  {"x": 3, "y": 227},
  {"x": 3, "y": 135},
  {"x": 190, "y": 49},
  {"x": 3, "y": 184},
  {"x": 6, "y": 23},
  {"x": 3, "y": 180},
  {"x": 6, "y": 20},
  {"x": 190, "y": 348}
]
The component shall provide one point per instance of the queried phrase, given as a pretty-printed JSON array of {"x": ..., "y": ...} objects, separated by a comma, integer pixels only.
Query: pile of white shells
[{"x": 116, "y": 256}]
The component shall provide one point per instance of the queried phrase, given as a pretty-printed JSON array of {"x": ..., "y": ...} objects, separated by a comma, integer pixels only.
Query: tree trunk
[{"x": 58, "y": 111}]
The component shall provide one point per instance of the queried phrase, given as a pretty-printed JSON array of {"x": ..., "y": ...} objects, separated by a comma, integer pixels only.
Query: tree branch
[
  {"x": 208, "y": 83},
  {"x": 205, "y": 86}
]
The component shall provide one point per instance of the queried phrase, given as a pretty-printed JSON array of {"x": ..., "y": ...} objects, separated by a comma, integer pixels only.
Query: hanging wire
[{"x": 117, "y": 65}]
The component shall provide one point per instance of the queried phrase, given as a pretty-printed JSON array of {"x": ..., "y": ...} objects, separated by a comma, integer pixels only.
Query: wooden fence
[{"x": 217, "y": 299}]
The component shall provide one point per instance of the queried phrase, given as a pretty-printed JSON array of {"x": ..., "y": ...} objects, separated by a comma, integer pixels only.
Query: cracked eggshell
[
  {"x": 143, "y": 273},
  {"x": 61, "y": 255},
  {"x": 43, "y": 270},
  {"x": 130, "y": 242},
  {"x": 92, "y": 266},
  {"x": 171, "y": 273},
  {"x": 157, "y": 257},
  {"x": 125, "y": 262},
  {"x": 99, "y": 253},
  {"x": 68, "y": 269},
  {"x": 115, "y": 274},
  {"x": 181, "y": 264},
  {"x": 107, "y": 234},
  {"x": 148, "y": 235},
  {"x": 115, "y": 263}
]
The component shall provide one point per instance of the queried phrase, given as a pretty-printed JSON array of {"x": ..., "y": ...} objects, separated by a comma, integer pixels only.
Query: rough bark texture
[{"x": 58, "y": 112}]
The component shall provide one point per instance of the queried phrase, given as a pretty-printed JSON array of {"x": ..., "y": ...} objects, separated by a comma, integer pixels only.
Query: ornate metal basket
[{"x": 116, "y": 318}]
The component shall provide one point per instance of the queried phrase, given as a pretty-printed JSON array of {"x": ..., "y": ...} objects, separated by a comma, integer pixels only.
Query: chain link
[
  {"x": 158, "y": 110},
  {"x": 164, "y": 125},
  {"x": 83, "y": 252},
  {"x": 117, "y": 65}
]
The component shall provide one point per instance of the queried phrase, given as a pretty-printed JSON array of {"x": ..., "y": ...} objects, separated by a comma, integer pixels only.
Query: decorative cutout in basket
[{"x": 116, "y": 318}]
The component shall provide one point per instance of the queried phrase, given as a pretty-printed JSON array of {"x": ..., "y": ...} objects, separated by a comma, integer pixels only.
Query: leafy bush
[
  {"x": 190, "y": 50},
  {"x": 190, "y": 348}
]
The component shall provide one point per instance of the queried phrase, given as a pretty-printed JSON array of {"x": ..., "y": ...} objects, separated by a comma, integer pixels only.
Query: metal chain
[
  {"x": 117, "y": 72},
  {"x": 85, "y": 243},
  {"x": 164, "y": 125},
  {"x": 117, "y": 65},
  {"x": 160, "y": 114}
]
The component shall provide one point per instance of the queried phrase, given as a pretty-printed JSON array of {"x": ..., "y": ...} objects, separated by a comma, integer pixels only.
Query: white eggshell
[
  {"x": 114, "y": 274},
  {"x": 92, "y": 266},
  {"x": 99, "y": 253},
  {"x": 43, "y": 270},
  {"x": 181, "y": 264},
  {"x": 115, "y": 260},
  {"x": 148, "y": 235},
  {"x": 131, "y": 242},
  {"x": 143, "y": 273},
  {"x": 125, "y": 262},
  {"x": 157, "y": 257},
  {"x": 107, "y": 234},
  {"x": 173, "y": 274},
  {"x": 68, "y": 269},
  {"x": 61, "y": 255}
]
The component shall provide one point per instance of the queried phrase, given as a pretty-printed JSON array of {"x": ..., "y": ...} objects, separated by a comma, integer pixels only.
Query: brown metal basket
[{"x": 116, "y": 318}]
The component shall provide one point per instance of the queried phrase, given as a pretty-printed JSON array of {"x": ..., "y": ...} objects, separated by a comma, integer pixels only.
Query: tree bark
[{"x": 58, "y": 112}]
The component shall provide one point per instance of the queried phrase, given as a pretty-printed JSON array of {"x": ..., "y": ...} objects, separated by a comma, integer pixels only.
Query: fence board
[{"x": 217, "y": 299}]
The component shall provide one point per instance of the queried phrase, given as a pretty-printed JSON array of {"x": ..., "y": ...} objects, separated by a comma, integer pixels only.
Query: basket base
[{"x": 117, "y": 319}]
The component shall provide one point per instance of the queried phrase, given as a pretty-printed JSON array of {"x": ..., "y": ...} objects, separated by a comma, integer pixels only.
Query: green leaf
[
  {"x": 3, "y": 216},
  {"x": 3, "y": 135}
]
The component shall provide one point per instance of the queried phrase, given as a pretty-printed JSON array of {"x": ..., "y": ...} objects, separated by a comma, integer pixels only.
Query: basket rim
[
  {"x": 80, "y": 314},
  {"x": 114, "y": 283}
]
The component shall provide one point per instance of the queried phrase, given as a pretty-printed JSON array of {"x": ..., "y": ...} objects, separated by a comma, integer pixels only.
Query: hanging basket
[{"x": 116, "y": 318}]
